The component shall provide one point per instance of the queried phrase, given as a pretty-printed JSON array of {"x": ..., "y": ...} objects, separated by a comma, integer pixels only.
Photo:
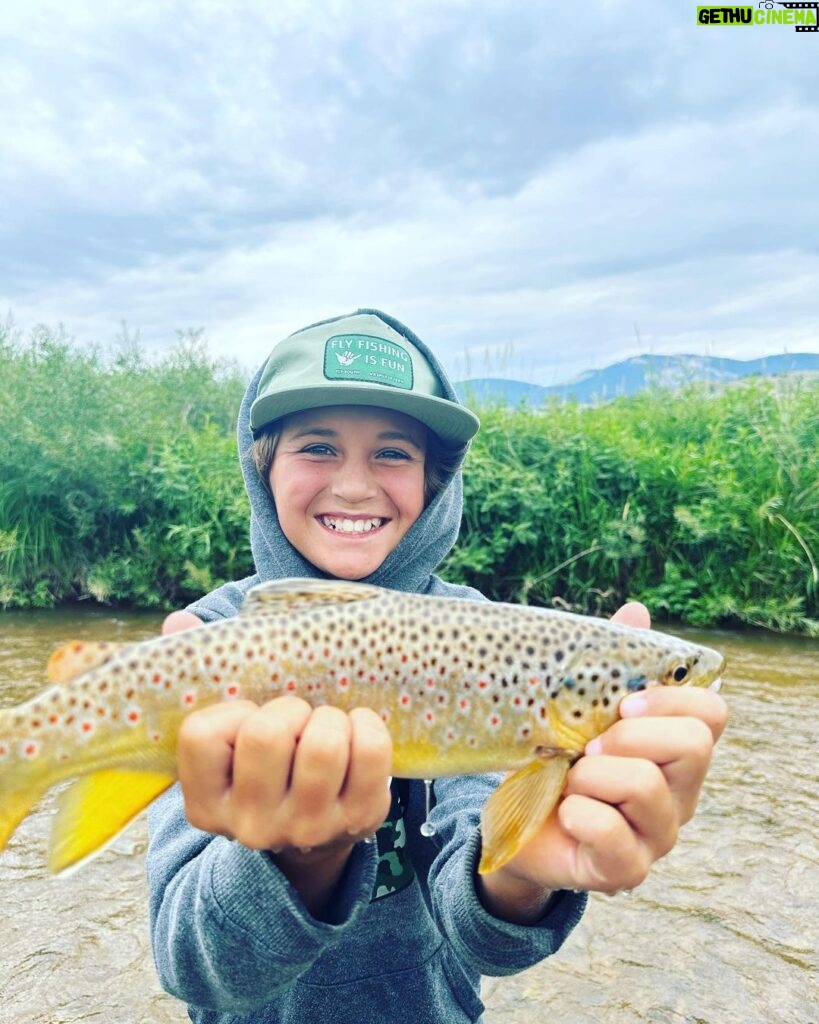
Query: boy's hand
[
  {"x": 624, "y": 802},
  {"x": 305, "y": 783}
]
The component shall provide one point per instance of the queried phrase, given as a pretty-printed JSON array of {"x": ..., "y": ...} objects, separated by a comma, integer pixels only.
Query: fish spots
[
  {"x": 231, "y": 691},
  {"x": 405, "y": 700},
  {"x": 464, "y": 705},
  {"x": 4, "y": 751},
  {"x": 494, "y": 722},
  {"x": 188, "y": 699},
  {"x": 30, "y": 749},
  {"x": 133, "y": 716}
]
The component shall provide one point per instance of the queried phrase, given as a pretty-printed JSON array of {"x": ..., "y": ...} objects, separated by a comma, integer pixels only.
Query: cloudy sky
[{"x": 537, "y": 189}]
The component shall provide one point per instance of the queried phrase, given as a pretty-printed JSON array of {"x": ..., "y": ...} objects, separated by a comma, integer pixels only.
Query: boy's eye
[
  {"x": 317, "y": 449},
  {"x": 393, "y": 453}
]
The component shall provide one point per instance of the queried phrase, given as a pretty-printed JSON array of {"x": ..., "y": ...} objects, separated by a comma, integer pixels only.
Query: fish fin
[
  {"x": 95, "y": 809},
  {"x": 72, "y": 659},
  {"x": 16, "y": 805},
  {"x": 285, "y": 595},
  {"x": 518, "y": 808}
]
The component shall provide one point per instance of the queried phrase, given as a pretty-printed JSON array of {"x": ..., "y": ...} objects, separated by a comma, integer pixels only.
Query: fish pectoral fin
[
  {"x": 72, "y": 659},
  {"x": 518, "y": 808},
  {"x": 285, "y": 595},
  {"x": 95, "y": 809}
]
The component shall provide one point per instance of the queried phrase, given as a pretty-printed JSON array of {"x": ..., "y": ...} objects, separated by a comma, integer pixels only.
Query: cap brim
[{"x": 454, "y": 424}]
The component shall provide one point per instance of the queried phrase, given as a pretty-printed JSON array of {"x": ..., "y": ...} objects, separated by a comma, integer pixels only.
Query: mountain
[{"x": 634, "y": 375}]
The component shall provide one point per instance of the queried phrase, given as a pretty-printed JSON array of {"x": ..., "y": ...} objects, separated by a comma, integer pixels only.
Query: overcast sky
[{"x": 536, "y": 189}]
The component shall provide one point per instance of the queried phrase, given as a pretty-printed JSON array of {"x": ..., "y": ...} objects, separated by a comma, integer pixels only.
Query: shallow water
[{"x": 725, "y": 931}]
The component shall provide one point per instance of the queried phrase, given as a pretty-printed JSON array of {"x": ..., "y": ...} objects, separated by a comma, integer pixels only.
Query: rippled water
[{"x": 725, "y": 931}]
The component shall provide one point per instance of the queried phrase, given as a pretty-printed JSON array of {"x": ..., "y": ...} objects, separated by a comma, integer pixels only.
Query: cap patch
[{"x": 367, "y": 360}]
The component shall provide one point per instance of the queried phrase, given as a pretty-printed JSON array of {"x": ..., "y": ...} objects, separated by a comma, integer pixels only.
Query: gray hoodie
[{"x": 407, "y": 935}]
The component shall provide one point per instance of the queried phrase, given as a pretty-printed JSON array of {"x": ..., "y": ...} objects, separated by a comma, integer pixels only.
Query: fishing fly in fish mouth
[{"x": 463, "y": 687}]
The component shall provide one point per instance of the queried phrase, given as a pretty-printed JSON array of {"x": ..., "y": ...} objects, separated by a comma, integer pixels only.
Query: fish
[{"x": 464, "y": 687}]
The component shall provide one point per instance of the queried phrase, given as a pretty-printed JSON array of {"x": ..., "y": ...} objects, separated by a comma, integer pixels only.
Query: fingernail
[
  {"x": 633, "y": 706},
  {"x": 594, "y": 747}
]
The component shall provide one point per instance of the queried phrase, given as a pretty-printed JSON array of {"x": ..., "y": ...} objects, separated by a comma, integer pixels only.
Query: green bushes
[
  {"x": 118, "y": 478},
  {"x": 119, "y": 483},
  {"x": 702, "y": 503}
]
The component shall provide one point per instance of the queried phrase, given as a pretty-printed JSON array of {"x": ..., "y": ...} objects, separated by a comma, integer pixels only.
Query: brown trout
[{"x": 463, "y": 687}]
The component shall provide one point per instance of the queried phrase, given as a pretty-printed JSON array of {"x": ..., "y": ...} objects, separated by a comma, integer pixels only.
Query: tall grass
[
  {"x": 117, "y": 475},
  {"x": 119, "y": 483},
  {"x": 704, "y": 503}
]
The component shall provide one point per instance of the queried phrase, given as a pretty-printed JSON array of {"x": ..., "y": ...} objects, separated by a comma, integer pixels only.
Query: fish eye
[{"x": 680, "y": 672}]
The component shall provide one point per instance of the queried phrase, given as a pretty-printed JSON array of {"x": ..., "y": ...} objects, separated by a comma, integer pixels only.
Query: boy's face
[{"x": 348, "y": 483}]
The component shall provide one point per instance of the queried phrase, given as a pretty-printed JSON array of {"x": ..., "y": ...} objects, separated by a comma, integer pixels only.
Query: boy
[{"x": 268, "y": 902}]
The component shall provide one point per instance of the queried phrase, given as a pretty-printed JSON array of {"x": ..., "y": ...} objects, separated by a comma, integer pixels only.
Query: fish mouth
[{"x": 352, "y": 525}]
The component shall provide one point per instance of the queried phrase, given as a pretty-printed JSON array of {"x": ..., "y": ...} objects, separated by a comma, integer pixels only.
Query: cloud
[{"x": 495, "y": 174}]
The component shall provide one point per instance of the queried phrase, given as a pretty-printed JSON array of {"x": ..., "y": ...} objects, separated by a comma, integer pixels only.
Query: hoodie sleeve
[
  {"x": 488, "y": 944},
  {"x": 228, "y": 930}
]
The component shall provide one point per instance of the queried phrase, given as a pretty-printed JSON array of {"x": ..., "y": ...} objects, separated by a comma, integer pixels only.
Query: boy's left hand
[{"x": 624, "y": 802}]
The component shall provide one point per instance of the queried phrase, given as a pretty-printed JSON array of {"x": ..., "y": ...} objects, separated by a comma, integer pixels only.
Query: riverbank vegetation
[{"x": 119, "y": 484}]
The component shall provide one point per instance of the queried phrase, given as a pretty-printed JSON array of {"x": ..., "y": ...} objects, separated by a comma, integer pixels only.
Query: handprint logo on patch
[{"x": 347, "y": 358}]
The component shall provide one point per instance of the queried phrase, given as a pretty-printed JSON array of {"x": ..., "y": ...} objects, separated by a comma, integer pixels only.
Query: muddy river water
[{"x": 725, "y": 930}]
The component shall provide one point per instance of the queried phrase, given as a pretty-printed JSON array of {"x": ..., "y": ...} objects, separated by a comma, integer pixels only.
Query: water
[{"x": 725, "y": 930}]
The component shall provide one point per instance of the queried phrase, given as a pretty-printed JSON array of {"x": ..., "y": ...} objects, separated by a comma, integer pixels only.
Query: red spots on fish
[
  {"x": 483, "y": 684},
  {"x": 494, "y": 722},
  {"x": 156, "y": 678},
  {"x": 463, "y": 704},
  {"x": 450, "y": 736},
  {"x": 372, "y": 677},
  {"x": 133, "y": 716},
  {"x": 53, "y": 719},
  {"x": 429, "y": 717},
  {"x": 271, "y": 656},
  {"x": 232, "y": 690},
  {"x": 343, "y": 682},
  {"x": 87, "y": 727},
  {"x": 430, "y": 683},
  {"x": 156, "y": 737},
  {"x": 291, "y": 686},
  {"x": 533, "y": 680},
  {"x": 405, "y": 700},
  {"x": 517, "y": 701},
  {"x": 4, "y": 751},
  {"x": 31, "y": 749},
  {"x": 188, "y": 699}
]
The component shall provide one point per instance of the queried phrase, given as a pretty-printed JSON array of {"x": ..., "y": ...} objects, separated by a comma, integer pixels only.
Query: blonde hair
[{"x": 441, "y": 462}]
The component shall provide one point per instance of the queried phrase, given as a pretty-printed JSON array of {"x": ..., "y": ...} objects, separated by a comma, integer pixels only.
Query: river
[{"x": 724, "y": 931}]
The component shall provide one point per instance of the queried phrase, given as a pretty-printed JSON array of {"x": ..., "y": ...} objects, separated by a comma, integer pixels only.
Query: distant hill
[{"x": 634, "y": 375}]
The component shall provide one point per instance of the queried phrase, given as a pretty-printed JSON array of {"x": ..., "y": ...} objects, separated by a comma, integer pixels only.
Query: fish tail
[{"x": 18, "y": 797}]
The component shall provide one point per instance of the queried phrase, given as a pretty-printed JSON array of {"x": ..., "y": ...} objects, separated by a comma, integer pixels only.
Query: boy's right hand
[{"x": 305, "y": 783}]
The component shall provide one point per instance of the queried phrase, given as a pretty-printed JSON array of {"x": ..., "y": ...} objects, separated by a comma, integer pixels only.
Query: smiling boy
[{"x": 268, "y": 902}]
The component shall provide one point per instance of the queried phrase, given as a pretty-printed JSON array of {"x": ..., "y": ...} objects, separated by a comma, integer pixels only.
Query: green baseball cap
[{"x": 357, "y": 360}]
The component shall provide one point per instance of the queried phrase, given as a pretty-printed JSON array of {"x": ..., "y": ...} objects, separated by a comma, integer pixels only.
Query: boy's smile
[{"x": 348, "y": 483}]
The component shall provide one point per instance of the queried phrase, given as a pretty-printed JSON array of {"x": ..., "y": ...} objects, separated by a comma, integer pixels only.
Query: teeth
[{"x": 352, "y": 525}]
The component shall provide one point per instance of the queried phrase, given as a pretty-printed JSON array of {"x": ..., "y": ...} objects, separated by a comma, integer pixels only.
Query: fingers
[
  {"x": 285, "y": 774},
  {"x": 176, "y": 622},
  {"x": 633, "y": 614}
]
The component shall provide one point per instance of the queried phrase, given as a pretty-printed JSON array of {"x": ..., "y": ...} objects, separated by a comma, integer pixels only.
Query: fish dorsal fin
[
  {"x": 72, "y": 659},
  {"x": 95, "y": 809},
  {"x": 287, "y": 595}
]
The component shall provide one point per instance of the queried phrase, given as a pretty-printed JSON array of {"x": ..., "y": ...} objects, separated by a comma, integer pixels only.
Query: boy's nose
[{"x": 354, "y": 483}]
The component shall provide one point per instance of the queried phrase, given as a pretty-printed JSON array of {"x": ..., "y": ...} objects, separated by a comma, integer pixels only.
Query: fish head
[{"x": 698, "y": 666}]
